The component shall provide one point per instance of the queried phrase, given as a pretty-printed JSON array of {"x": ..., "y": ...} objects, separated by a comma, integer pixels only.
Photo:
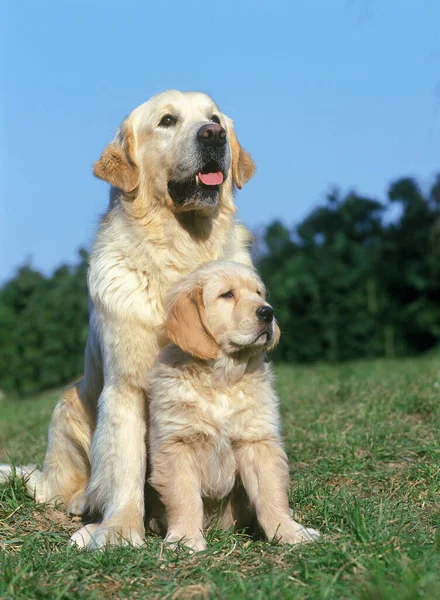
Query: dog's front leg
[
  {"x": 116, "y": 487},
  {"x": 264, "y": 473}
]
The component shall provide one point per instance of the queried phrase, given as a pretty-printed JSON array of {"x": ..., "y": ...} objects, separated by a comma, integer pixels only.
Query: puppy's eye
[
  {"x": 227, "y": 294},
  {"x": 215, "y": 119},
  {"x": 167, "y": 121},
  {"x": 259, "y": 292}
]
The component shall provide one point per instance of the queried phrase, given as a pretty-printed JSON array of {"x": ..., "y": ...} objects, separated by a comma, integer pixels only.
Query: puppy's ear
[
  {"x": 243, "y": 167},
  {"x": 117, "y": 164},
  {"x": 187, "y": 326}
]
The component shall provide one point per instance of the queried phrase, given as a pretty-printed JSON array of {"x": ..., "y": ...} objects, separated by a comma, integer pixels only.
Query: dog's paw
[
  {"x": 116, "y": 535},
  {"x": 174, "y": 541},
  {"x": 82, "y": 537},
  {"x": 97, "y": 536},
  {"x": 295, "y": 533}
]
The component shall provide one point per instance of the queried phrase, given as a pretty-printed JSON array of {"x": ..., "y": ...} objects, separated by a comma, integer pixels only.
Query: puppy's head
[
  {"x": 180, "y": 148},
  {"x": 221, "y": 309}
]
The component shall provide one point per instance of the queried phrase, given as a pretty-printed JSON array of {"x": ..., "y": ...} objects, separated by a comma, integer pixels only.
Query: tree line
[{"x": 356, "y": 278}]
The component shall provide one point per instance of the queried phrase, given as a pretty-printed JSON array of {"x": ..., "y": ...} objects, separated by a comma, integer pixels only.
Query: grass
[{"x": 364, "y": 445}]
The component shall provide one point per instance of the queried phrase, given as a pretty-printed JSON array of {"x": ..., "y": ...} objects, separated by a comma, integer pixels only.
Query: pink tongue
[{"x": 211, "y": 178}]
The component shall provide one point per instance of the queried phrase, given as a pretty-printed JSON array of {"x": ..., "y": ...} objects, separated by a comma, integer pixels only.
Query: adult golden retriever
[{"x": 172, "y": 166}]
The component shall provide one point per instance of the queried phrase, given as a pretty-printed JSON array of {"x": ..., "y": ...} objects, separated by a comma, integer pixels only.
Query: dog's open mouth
[
  {"x": 198, "y": 191},
  {"x": 210, "y": 175}
]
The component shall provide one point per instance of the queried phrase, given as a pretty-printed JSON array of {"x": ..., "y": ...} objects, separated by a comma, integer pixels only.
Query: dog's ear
[
  {"x": 243, "y": 167},
  {"x": 117, "y": 164},
  {"x": 187, "y": 326}
]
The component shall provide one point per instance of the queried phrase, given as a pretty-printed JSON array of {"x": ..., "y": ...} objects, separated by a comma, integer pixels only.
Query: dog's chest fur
[
  {"x": 194, "y": 407},
  {"x": 133, "y": 266},
  {"x": 216, "y": 422}
]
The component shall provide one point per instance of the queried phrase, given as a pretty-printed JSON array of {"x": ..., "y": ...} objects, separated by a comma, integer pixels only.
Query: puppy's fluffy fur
[{"x": 214, "y": 425}]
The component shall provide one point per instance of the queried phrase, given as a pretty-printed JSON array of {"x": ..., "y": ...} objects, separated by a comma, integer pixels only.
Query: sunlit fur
[
  {"x": 96, "y": 454},
  {"x": 215, "y": 440}
]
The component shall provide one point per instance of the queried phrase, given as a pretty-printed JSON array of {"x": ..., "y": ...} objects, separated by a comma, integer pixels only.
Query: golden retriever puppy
[
  {"x": 214, "y": 424},
  {"x": 173, "y": 166}
]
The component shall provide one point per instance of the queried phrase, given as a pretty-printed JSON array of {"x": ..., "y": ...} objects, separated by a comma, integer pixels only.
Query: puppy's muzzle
[{"x": 265, "y": 313}]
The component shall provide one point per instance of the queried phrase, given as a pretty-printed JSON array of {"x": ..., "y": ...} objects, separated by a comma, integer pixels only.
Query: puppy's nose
[
  {"x": 212, "y": 134},
  {"x": 265, "y": 313}
]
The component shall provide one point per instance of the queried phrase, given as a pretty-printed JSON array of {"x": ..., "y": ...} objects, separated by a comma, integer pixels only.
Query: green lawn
[{"x": 364, "y": 445}]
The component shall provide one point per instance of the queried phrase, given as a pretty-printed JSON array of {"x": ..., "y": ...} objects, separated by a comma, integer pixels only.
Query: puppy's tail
[{"x": 32, "y": 477}]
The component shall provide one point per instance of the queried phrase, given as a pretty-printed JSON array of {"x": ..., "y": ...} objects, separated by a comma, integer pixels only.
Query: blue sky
[{"x": 323, "y": 92}]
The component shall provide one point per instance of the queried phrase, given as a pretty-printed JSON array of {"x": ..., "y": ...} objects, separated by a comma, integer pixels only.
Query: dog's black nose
[
  {"x": 265, "y": 313},
  {"x": 212, "y": 134}
]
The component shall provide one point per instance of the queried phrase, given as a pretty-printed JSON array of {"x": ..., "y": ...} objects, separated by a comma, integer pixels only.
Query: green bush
[{"x": 346, "y": 284}]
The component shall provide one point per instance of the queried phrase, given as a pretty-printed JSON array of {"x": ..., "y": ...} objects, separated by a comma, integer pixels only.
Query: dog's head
[
  {"x": 180, "y": 148},
  {"x": 221, "y": 309}
]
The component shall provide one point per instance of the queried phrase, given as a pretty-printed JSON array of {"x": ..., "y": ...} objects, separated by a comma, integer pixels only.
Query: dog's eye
[
  {"x": 167, "y": 121},
  {"x": 259, "y": 292},
  {"x": 227, "y": 294},
  {"x": 215, "y": 119}
]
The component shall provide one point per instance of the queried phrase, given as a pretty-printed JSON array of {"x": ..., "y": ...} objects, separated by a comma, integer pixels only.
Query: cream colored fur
[
  {"x": 96, "y": 455},
  {"x": 214, "y": 422}
]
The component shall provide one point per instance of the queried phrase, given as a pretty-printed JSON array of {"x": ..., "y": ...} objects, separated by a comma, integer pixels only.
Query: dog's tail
[{"x": 30, "y": 474}]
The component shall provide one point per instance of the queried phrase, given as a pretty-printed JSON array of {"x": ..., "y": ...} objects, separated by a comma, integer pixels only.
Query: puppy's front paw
[
  {"x": 193, "y": 543},
  {"x": 294, "y": 533}
]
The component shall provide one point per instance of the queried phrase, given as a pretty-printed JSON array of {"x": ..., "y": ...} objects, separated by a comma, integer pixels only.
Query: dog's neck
[
  {"x": 230, "y": 369},
  {"x": 151, "y": 213},
  {"x": 145, "y": 233},
  {"x": 198, "y": 225}
]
